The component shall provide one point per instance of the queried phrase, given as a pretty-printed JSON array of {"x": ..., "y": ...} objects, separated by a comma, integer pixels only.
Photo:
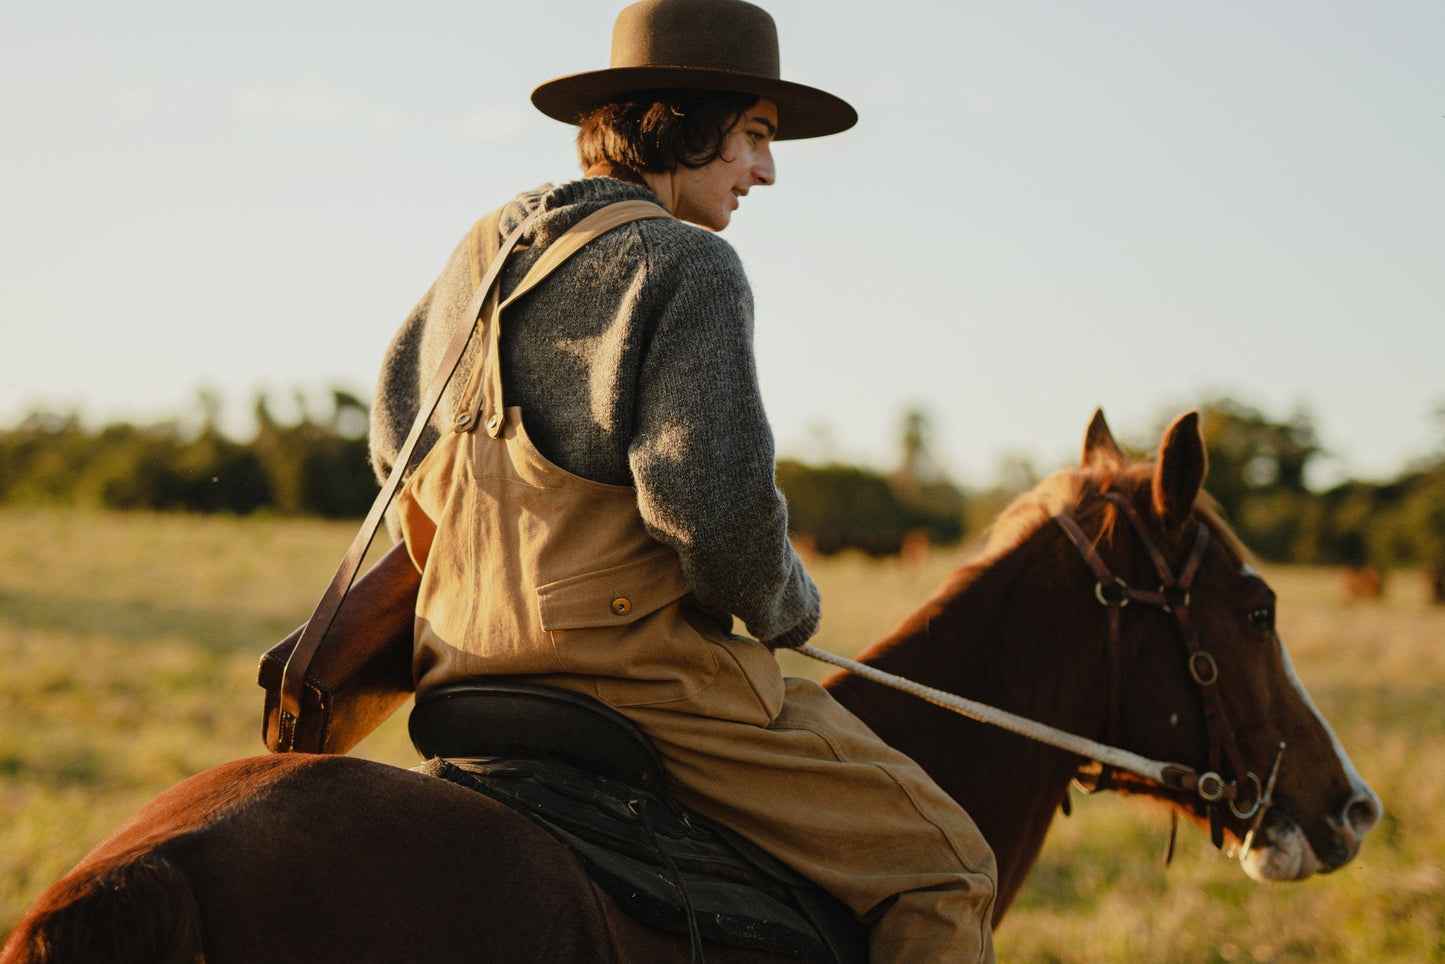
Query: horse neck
[{"x": 996, "y": 634}]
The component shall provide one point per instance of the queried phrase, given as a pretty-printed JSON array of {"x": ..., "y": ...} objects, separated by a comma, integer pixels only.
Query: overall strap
[
  {"x": 596, "y": 224},
  {"x": 482, "y": 246}
]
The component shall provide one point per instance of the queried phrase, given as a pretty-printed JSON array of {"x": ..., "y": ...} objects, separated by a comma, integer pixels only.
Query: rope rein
[{"x": 1170, "y": 774}]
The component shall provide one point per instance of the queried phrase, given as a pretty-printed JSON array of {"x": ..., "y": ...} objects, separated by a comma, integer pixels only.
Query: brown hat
[{"x": 724, "y": 45}]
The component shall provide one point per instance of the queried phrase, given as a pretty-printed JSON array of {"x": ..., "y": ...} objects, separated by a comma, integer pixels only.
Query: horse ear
[
  {"x": 1099, "y": 444},
  {"x": 1179, "y": 472}
]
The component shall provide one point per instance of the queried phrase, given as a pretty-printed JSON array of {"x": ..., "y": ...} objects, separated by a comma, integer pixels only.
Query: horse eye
[{"x": 1262, "y": 619}]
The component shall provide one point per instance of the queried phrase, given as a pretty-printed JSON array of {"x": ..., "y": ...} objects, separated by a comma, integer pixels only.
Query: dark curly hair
[{"x": 660, "y": 131}]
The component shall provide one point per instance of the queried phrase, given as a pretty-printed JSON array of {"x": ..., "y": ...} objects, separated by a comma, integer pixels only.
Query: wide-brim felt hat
[{"x": 722, "y": 45}]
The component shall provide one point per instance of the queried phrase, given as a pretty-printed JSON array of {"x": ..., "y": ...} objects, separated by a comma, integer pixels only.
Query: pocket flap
[{"x": 615, "y": 596}]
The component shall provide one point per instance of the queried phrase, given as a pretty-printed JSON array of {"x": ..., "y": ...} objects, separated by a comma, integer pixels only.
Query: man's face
[{"x": 708, "y": 195}]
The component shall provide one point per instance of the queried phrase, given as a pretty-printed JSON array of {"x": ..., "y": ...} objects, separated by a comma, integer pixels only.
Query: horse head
[
  {"x": 1113, "y": 603},
  {"x": 1197, "y": 672}
]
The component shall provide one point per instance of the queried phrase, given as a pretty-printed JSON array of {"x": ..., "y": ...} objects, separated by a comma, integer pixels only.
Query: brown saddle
[{"x": 591, "y": 778}]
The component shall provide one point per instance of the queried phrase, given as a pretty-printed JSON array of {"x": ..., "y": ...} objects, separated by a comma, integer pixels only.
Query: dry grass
[{"x": 129, "y": 647}]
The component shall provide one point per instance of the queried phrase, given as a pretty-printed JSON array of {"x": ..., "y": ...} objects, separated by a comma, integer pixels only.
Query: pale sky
[{"x": 1044, "y": 208}]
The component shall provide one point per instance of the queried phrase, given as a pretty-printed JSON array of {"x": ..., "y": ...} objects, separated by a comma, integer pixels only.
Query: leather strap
[
  {"x": 1172, "y": 596},
  {"x": 294, "y": 675},
  {"x": 293, "y": 678}
]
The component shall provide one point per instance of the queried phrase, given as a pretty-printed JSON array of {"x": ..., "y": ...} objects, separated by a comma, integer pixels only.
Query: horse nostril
[{"x": 1362, "y": 814}]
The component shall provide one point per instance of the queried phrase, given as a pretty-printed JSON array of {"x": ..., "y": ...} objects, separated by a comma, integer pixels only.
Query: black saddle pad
[{"x": 659, "y": 862}]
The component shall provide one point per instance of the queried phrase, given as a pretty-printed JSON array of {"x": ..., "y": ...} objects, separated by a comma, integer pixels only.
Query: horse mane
[{"x": 1077, "y": 491}]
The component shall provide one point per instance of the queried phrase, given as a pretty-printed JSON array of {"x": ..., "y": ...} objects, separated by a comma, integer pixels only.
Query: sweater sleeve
[{"x": 702, "y": 455}]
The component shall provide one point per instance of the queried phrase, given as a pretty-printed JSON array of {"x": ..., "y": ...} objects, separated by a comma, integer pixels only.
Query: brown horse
[{"x": 307, "y": 858}]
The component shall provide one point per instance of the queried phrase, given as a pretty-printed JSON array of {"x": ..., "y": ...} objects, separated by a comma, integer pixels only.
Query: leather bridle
[{"x": 1245, "y": 795}]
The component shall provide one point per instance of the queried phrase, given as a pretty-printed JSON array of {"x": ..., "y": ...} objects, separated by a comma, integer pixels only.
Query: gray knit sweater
[{"x": 633, "y": 365}]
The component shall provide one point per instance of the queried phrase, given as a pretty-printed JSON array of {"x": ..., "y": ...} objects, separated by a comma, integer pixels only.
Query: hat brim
[{"x": 803, "y": 111}]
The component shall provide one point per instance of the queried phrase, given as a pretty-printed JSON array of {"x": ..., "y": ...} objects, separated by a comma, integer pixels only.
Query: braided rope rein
[{"x": 1169, "y": 774}]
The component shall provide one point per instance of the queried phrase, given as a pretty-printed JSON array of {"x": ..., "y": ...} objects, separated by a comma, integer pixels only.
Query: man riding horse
[{"x": 598, "y": 502}]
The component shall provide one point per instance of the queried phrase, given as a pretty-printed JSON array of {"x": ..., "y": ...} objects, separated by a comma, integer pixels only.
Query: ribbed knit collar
[{"x": 564, "y": 205}]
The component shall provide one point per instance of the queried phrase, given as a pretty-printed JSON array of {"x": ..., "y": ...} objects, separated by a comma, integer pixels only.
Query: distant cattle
[
  {"x": 1362, "y": 582},
  {"x": 916, "y": 547}
]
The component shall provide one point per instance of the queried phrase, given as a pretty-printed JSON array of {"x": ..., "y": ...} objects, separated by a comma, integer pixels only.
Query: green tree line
[
  {"x": 309, "y": 467},
  {"x": 318, "y": 466},
  {"x": 1257, "y": 473}
]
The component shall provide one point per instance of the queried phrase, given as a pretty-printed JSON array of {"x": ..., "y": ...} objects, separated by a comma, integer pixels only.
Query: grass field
[{"x": 128, "y": 650}]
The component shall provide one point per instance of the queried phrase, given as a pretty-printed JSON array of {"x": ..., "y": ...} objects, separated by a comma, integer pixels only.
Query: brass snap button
[
  {"x": 463, "y": 420},
  {"x": 493, "y": 422},
  {"x": 621, "y": 606}
]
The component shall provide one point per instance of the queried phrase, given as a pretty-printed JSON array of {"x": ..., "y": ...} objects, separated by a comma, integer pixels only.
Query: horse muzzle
[{"x": 1284, "y": 850}]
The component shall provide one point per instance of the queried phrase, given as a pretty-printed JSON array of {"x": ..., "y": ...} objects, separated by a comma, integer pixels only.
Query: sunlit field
[{"x": 128, "y": 652}]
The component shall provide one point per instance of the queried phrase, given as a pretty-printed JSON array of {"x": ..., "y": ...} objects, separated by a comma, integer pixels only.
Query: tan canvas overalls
[{"x": 531, "y": 571}]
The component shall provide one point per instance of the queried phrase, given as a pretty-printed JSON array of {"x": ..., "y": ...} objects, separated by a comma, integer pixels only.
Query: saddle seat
[
  {"x": 593, "y": 780},
  {"x": 507, "y": 719}
]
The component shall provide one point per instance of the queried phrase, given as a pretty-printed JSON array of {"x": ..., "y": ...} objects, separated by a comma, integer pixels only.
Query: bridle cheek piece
[{"x": 1246, "y": 797}]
